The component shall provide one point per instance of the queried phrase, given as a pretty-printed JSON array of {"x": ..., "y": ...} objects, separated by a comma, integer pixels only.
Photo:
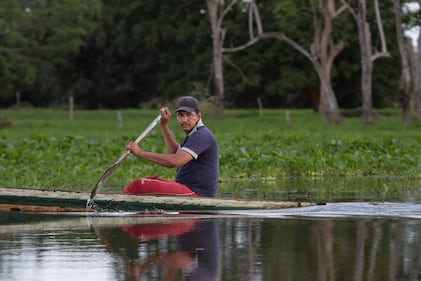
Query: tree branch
[
  {"x": 380, "y": 55},
  {"x": 257, "y": 17},
  {"x": 243, "y": 76},
  {"x": 251, "y": 42},
  {"x": 351, "y": 10},
  {"x": 226, "y": 10},
  {"x": 250, "y": 21},
  {"x": 380, "y": 27},
  {"x": 271, "y": 35},
  {"x": 341, "y": 10}
]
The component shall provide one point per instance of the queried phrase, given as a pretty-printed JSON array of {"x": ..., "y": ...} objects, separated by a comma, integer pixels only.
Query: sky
[{"x": 414, "y": 32}]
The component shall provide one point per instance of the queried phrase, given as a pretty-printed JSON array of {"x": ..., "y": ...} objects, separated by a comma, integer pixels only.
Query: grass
[{"x": 42, "y": 148}]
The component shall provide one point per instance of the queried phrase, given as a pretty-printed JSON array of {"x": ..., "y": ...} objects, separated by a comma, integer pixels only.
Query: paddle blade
[{"x": 104, "y": 178}]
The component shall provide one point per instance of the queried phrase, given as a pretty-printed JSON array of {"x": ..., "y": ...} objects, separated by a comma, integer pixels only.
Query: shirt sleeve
[{"x": 196, "y": 144}]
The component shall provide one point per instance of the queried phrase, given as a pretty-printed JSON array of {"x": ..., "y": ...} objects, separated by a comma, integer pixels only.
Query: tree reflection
[
  {"x": 336, "y": 249},
  {"x": 220, "y": 248}
]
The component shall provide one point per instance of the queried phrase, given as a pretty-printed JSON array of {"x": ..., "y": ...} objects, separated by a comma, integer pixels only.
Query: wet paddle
[{"x": 110, "y": 169}]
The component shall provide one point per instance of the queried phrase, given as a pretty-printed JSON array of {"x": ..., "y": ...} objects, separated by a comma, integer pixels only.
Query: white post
[
  {"x": 259, "y": 102},
  {"x": 119, "y": 119},
  {"x": 287, "y": 118},
  {"x": 17, "y": 100},
  {"x": 71, "y": 108}
]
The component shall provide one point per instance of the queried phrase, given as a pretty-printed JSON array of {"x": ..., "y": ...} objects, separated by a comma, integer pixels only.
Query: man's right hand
[{"x": 165, "y": 115}]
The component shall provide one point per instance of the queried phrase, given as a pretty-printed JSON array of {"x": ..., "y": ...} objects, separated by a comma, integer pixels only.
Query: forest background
[
  {"x": 274, "y": 54},
  {"x": 339, "y": 58}
]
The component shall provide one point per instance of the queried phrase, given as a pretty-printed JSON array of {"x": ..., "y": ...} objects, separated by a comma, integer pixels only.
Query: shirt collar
[{"x": 198, "y": 125}]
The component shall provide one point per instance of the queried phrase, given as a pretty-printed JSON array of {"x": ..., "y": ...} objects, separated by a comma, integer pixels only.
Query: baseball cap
[{"x": 188, "y": 104}]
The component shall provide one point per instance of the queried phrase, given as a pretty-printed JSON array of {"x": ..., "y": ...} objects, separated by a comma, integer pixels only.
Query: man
[{"x": 196, "y": 158}]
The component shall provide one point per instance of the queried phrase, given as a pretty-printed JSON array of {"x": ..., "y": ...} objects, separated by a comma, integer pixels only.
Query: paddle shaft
[{"x": 114, "y": 166}]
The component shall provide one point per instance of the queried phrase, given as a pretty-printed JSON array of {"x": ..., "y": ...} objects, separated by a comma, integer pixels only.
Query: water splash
[{"x": 90, "y": 205}]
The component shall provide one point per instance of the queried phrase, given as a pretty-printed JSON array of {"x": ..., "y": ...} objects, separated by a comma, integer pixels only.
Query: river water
[{"x": 353, "y": 240}]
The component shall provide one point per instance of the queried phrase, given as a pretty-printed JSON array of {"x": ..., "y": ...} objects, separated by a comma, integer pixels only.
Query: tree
[
  {"x": 412, "y": 54},
  {"x": 37, "y": 40},
  {"x": 217, "y": 13},
  {"x": 16, "y": 71},
  {"x": 322, "y": 51},
  {"x": 417, "y": 73},
  {"x": 143, "y": 53},
  {"x": 405, "y": 59},
  {"x": 368, "y": 56}
]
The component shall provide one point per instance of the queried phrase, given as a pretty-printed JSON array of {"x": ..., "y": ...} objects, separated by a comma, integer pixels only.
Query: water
[
  {"x": 332, "y": 242},
  {"x": 370, "y": 229},
  {"x": 347, "y": 209},
  {"x": 329, "y": 189}
]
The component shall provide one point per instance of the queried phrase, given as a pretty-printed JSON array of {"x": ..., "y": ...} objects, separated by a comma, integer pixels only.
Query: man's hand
[
  {"x": 165, "y": 115},
  {"x": 134, "y": 148}
]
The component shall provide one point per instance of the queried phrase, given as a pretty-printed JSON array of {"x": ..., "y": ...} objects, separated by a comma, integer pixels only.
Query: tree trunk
[
  {"x": 215, "y": 12},
  {"x": 328, "y": 105},
  {"x": 325, "y": 50},
  {"x": 364, "y": 36},
  {"x": 417, "y": 76},
  {"x": 406, "y": 74},
  {"x": 367, "y": 55}
]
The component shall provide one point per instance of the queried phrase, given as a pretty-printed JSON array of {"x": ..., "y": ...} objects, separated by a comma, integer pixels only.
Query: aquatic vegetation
[{"x": 44, "y": 149}]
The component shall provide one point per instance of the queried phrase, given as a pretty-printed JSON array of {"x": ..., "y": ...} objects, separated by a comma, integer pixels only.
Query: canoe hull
[{"x": 37, "y": 200}]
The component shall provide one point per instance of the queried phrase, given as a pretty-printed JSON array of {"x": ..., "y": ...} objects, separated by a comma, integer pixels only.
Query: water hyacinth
[{"x": 44, "y": 149}]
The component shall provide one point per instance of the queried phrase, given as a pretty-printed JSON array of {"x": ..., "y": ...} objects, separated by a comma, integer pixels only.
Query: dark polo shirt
[{"x": 201, "y": 174}]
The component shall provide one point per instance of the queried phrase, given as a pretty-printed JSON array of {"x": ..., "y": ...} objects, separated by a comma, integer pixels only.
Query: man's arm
[
  {"x": 178, "y": 159},
  {"x": 170, "y": 142}
]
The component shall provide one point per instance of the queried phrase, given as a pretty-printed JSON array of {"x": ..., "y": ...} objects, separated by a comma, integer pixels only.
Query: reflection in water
[
  {"x": 346, "y": 249},
  {"x": 195, "y": 255},
  {"x": 224, "y": 248}
]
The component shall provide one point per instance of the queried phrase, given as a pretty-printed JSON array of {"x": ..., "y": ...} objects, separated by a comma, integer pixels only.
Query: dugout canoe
[{"x": 38, "y": 200}]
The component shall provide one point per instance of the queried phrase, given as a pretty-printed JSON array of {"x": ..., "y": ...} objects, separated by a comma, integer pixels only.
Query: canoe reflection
[{"x": 190, "y": 251}]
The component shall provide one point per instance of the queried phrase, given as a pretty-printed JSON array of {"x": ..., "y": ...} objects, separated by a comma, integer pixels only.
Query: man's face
[{"x": 187, "y": 120}]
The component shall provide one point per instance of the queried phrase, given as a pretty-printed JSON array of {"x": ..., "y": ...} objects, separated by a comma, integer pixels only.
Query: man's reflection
[{"x": 196, "y": 255}]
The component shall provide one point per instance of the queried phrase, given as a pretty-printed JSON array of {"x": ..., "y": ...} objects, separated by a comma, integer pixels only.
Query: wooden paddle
[{"x": 114, "y": 166}]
